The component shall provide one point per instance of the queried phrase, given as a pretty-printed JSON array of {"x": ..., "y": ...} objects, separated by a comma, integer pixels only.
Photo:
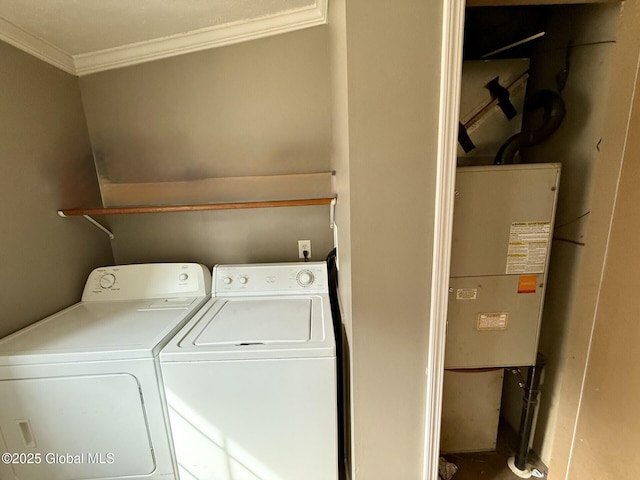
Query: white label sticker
[
  {"x": 528, "y": 247},
  {"x": 466, "y": 293},
  {"x": 493, "y": 321}
]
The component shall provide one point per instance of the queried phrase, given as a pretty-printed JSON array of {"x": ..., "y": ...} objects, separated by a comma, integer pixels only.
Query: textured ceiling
[{"x": 58, "y": 30}]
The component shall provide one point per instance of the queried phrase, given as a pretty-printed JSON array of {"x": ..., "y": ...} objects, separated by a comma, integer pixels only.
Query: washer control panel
[
  {"x": 130, "y": 282},
  {"x": 270, "y": 278}
]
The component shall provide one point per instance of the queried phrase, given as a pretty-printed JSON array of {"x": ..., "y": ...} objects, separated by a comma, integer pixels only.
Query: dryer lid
[
  {"x": 90, "y": 331},
  {"x": 254, "y": 321}
]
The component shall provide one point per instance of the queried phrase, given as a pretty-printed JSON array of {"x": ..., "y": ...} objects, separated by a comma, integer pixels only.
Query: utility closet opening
[{"x": 535, "y": 79}]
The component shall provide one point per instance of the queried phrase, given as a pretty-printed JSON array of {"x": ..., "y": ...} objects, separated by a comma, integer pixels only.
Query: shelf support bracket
[
  {"x": 93, "y": 222},
  {"x": 332, "y": 212}
]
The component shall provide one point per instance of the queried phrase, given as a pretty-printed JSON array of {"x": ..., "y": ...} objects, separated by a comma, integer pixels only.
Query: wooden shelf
[{"x": 194, "y": 208}]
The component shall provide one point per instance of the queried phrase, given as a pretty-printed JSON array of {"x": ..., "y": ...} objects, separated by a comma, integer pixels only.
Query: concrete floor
[{"x": 491, "y": 465}]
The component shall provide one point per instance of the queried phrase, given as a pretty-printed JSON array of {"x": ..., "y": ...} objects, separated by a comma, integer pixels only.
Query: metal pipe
[{"x": 530, "y": 401}]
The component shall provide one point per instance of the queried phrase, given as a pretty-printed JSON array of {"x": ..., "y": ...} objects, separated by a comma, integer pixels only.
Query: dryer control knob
[
  {"x": 243, "y": 280},
  {"x": 107, "y": 280},
  {"x": 227, "y": 280},
  {"x": 305, "y": 278}
]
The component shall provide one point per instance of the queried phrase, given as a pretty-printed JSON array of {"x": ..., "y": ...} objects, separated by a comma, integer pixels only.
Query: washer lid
[
  {"x": 246, "y": 322},
  {"x": 252, "y": 328}
]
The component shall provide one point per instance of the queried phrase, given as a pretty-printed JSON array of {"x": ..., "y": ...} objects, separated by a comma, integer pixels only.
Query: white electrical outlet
[{"x": 302, "y": 246}]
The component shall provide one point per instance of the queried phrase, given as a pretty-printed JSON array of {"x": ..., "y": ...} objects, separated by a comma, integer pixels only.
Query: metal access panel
[
  {"x": 470, "y": 410},
  {"x": 503, "y": 221}
]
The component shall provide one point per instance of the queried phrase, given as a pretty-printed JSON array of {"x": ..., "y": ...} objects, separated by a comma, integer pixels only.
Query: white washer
[
  {"x": 251, "y": 380},
  {"x": 81, "y": 393}
]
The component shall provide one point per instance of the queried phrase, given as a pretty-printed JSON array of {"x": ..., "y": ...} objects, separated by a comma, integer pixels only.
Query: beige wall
[
  {"x": 386, "y": 176},
  {"x": 591, "y": 29},
  {"x": 229, "y": 236},
  {"x": 588, "y": 283},
  {"x": 257, "y": 108},
  {"x": 46, "y": 164},
  {"x": 608, "y": 429}
]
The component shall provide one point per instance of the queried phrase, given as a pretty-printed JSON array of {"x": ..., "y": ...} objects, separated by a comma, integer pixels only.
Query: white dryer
[
  {"x": 81, "y": 394},
  {"x": 251, "y": 380}
]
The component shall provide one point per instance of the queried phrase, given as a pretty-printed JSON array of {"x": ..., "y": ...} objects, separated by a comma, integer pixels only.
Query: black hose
[
  {"x": 342, "y": 399},
  {"x": 554, "y": 112}
]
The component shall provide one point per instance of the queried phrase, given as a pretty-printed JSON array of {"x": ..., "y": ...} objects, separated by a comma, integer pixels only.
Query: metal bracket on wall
[
  {"x": 93, "y": 222},
  {"x": 332, "y": 212}
]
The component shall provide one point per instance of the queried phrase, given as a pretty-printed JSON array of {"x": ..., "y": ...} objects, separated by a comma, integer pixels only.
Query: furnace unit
[{"x": 502, "y": 228}]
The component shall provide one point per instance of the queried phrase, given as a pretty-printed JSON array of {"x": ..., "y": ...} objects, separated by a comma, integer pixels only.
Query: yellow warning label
[{"x": 528, "y": 247}]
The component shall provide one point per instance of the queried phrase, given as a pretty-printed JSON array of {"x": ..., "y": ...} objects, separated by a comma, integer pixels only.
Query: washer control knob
[
  {"x": 107, "y": 280},
  {"x": 243, "y": 280},
  {"x": 305, "y": 278},
  {"x": 183, "y": 277},
  {"x": 227, "y": 280}
]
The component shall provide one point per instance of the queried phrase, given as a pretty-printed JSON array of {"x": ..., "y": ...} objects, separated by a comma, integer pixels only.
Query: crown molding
[
  {"x": 201, "y": 39},
  {"x": 155, "y": 49},
  {"x": 25, "y": 41}
]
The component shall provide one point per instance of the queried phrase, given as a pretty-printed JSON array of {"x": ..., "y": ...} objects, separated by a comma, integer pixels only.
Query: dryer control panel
[
  {"x": 152, "y": 280},
  {"x": 270, "y": 278}
]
